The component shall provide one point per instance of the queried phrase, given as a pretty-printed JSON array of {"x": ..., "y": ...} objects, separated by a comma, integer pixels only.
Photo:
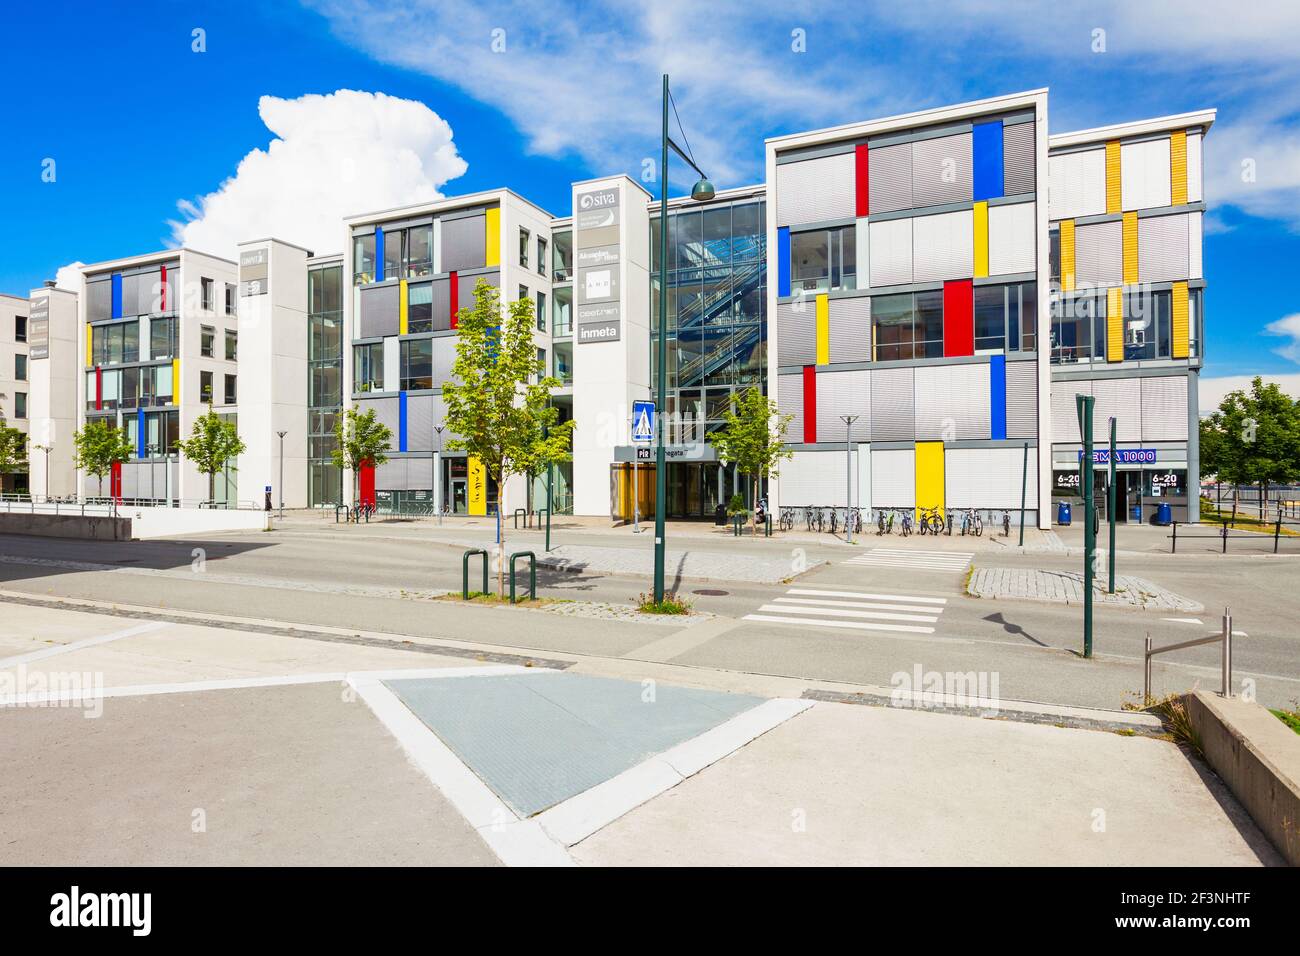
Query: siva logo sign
[
  {"x": 597, "y": 209},
  {"x": 601, "y": 199}
]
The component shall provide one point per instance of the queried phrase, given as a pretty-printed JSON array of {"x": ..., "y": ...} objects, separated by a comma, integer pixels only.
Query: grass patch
[
  {"x": 671, "y": 604},
  {"x": 490, "y": 598},
  {"x": 1289, "y": 717},
  {"x": 1243, "y": 521},
  {"x": 1173, "y": 714}
]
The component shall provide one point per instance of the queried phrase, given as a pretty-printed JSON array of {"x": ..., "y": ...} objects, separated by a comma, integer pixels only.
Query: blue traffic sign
[{"x": 643, "y": 421}]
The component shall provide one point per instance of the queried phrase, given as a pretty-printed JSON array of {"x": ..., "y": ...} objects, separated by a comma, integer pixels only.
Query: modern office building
[{"x": 15, "y": 387}]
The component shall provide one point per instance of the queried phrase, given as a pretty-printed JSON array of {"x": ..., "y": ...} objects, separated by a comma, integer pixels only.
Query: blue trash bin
[
  {"x": 1063, "y": 512},
  {"x": 1164, "y": 514},
  {"x": 1136, "y": 513}
]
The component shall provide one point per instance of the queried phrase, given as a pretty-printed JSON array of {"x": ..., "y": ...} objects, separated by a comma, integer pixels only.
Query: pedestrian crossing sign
[{"x": 643, "y": 421}]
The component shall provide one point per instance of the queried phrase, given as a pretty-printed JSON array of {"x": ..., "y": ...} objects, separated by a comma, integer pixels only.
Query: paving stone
[{"x": 1066, "y": 587}]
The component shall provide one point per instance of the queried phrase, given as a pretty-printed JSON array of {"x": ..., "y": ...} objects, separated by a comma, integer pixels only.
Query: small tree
[
  {"x": 496, "y": 413},
  {"x": 752, "y": 438},
  {"x": 13, "y": 450},
  {"x": 358, "y": 439},
  {"x": 99, "y": 446},
  {"x": 1253, "y": 439},
  {"x": 211, "y": 444}
]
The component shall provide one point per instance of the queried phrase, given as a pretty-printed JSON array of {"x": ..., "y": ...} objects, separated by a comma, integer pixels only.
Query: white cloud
[
  {"x": 333, "y": 155},
  {"x": 1212, "y": 389},
  {"x": 69, "y": 277},
  {"x": 1288, "y": 327}
]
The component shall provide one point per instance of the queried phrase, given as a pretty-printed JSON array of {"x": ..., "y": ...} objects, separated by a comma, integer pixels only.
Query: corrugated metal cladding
[
  {"x": 1180, "y": 321},
  {"x": 783, "y": 261},
  {"x": 1130, "y": 242},
  {"x": 1076, "y": 184},
  {"x": 1065, "y": 421},
  {"x": 444, "y": 357},
  {"x": 893, "y": 411},
  {"x": 1145, "y": 174},
  {"x": 952, "y": 402},
  {"x": 990, "y": 478},
  {"x": 814, "y": 190},
  {"x": 843, "y": 393},
  {"x": 891, "y": 251},
  {"x": 1162, "y": 248},
  {"x": 1011, "y": 238},
  {"x": 379, "y": 310},
  {"x": 890, "y": 178},
  {"x": 1178, "y": 168},
  {"x": 862, "y": 234},
  {"x": 1122, "y": 399},
  {"x": 385, "y": 410},
  {"x": 850, "y": 329},
  {"x": 796, "y": 332},
  {"x": 1018, "y": 168},
  {"x": 1114, "y": 191},
  {"x": 1194, "y": 267},
  {"x": 391, "y": 475},
  {"x": 812, "y": 478},
  {"x": 789, "y": 401},
  {"x": 943, "y": 246},
  {"x": 419, "y": 423},
  {"x": 1022, "y": 399},
  {"x": 941, "y": 170},
  {"x": 1164, "y": 408},
  {"x": 464, "y": 243},
  {"x": 1194, "y": 191},
  {"x": 958, "y": 319},
  {"x": 441, "y": 304},
  {"x": 1098, "y": 254},
  {"x": 893, "y": 478}
]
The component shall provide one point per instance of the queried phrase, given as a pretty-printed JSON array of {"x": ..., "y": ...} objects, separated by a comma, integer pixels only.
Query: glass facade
[{"x": 325, "y": 382}]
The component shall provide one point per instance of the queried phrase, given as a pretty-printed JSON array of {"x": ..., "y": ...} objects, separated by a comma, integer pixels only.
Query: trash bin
[
  {"x": 720, "y": 516},
  {"x": 1137, "y": 513},
  {"x": 1063, "y": 512},
  {"x": 1164, "y": 514}
]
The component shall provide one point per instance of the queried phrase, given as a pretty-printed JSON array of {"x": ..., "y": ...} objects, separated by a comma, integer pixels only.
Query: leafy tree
[
  {"x": 211, "y": 444},
  {"x": 499, "y": 401},
  {"x": 1253, "y": 439},
  {"x": 752, "y": 438},
  {"x": 99, "y": 446},
  {"x": 13, "y": 449},
  {"x": 358, "y": 439}
]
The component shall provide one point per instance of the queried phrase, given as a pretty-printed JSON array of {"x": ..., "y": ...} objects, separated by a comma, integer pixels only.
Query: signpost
[
  {"x": 643, "y": 432},
  {"x": 1110, "y": 506},
  {"x": 1083, "y": 406}
]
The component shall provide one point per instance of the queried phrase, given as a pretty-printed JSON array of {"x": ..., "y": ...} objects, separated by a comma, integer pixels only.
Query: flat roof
[
  {"x": 150, "y": 257},
  {"x": 1157, "y": 124},
  {"x": 437, "y": 205}
]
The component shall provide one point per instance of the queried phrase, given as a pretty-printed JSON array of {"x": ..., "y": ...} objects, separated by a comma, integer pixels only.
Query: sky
[{"x": 161, "y": 123}]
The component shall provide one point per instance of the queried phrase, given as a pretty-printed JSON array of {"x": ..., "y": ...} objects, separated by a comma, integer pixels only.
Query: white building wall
[{"x": 52, "y": 399}]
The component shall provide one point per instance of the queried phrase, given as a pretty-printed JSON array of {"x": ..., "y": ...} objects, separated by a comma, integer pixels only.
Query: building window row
[
  {"x": 120, "y": 342},
  {"x": 138, "y": 387}
]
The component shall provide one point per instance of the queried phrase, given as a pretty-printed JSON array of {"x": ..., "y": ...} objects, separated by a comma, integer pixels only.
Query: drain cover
[{"x": 711, "y": 592}]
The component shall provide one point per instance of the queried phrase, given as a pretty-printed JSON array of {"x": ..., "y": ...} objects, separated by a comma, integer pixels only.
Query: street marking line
[
  {"x": 917, "y": 565},
  {"x": 586, "y": 813},
  {"x": 1183, "y": 620},
  {"x": 515, "y": 842},
  {"x": 857, "y": 625},
  {"x": 79, "y": 645},
  {"x": 840, "y": 612},
  {"x": 869, "y": 597},
  {"x": 930, "y": 554},
  {"x": 878, "y": 558},
  {"x": 869, "y": 605},
  {"x": 687, "y": 639}
]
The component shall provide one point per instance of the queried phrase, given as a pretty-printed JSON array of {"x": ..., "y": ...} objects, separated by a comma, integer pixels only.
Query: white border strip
[
  {"x": 580, "y": 816},
  {"x": 79, "y": 645}
]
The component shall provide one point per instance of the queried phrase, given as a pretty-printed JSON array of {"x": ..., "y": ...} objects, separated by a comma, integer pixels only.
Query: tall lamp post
[
  {"x": 282, "y": 434},
  {"x": 848, "y": 421},
  {"x": 702, "y": 191},
  {"x": 46, "y": 449},
  {"x": 437, "y": 474}
]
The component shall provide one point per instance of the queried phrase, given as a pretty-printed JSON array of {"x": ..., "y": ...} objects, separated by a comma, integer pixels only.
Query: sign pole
[
  {"x": 1024, "y": 485},
  {"x": 1110, "y": 505},
  {"x": 661, "y": 389},
  {"x": 1083, "y": 405}
]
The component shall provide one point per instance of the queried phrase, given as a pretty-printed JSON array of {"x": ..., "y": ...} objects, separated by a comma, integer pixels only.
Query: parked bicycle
[
  {"x": 930, "y": 521},
  {"x": 1006, "y": 524},
  {"x": 972, "y": 523}
]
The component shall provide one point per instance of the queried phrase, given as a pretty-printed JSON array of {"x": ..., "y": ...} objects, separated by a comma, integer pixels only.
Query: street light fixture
[
  {"x": 848, "y": 421},
  {"x": 702, "y": 191},
  {"x": 437, "y": 474},
  {"x": 47, "y": 449},
  {"x": 282, "y": 434}
]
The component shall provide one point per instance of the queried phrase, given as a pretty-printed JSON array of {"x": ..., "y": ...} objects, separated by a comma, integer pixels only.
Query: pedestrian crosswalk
[
  {"x": 912, "y": 559},
  {"x": 853, "y": 610}
]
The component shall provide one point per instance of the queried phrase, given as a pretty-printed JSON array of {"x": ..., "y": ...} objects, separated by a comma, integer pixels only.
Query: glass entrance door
[{"x": 460, "y": 496}]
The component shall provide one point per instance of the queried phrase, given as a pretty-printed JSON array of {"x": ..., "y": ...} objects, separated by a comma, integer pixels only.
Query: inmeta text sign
[{"x": 598, "y": 332}]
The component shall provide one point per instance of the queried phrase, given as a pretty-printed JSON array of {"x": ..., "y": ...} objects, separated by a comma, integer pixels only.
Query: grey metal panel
[
  {"x": 130, "y": 480},
  {"x": 891, "y": 252},
  {"x": 789, "y": 401},
  {"x": 892, "y": 405},
  {"x": 1065, "y": 420},
  {"x": 843, "y": 393},
  {"x": 1164, "y": 408},
  {"x": 850, "y": 329},
  {"x": 815, "y": 190},
  {"x": 796, "y": 332},
  {"x": 893, "y": 478},
  {"x": 1163, "y": 248},
  {"x": 444, "y": 356},
  {"x": 1012, "y": 233},
  {"x": 952, "y": 402},
  {"x": 99, "y": 300},
  {"x": 385, "y": 412},
  {"x": 391, "y": 475},
  {"x": 130, "y": 294},
  {"x": 813, "y": 478},
  {"x": 941, "y": 170},
  {"x": 379, "y": 307},
  {"x": 464, "y": 243},
  {"x": 1098, "y": 254},
  {"x": 441, "y": 305},
  {"x": 1018, "y": 159},
  {"x": 1022, "y": 399},
  {"x": 943, "y": 246},
  {"x": 1120, "y": 398},
  {"x": 889, "y": 175},
  {"x": 419, "y": 423}
]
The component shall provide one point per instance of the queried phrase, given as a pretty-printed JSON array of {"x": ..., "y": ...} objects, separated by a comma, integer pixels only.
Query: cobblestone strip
[{"x": 1066, "y": 587}]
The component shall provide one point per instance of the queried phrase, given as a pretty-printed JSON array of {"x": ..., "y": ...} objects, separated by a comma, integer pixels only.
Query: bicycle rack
[
  {"x": 736, "y": 525},
  {"x": 532, "y": 573},
  {"x": 346, "y": 512},
  {"x": 1223, "y": 638},
  {"x": 524, "y": 512},
  {"x": 464, "y": 587}
]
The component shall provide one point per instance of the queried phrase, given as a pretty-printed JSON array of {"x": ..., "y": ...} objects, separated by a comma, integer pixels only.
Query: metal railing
[
  {"x": 1224, "y": 533},
  {"x": 1224, "y": 637}
]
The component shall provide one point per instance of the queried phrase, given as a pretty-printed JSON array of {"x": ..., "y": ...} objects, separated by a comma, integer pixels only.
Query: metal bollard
[{"x": 1227, "y": 652}]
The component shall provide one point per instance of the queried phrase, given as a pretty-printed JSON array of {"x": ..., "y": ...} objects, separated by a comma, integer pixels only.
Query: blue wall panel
[
  {"x": 401, "y": 421},
  {"x": 986, "y": 149},
  {"x": 783, "y": 260},
  {"x": 140, "y": 449},
  {"x": 997, "y": 397},
  {"x": 379, "y": 254},
  {"x": 117, "y": 295}
]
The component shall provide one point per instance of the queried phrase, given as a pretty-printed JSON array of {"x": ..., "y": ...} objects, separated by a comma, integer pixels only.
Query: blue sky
[{"x": 472, "y": 95}]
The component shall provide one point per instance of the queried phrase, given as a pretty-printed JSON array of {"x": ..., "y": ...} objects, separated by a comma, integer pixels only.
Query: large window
[
  {"x": 417, "y": 251},
  {"x": 162, "y": 338},
  {"x": 1006, "y": 317},
  {"x": 232, "y": 345},
  {"x": 232, "y": 390},
  {"x": 205, "y": 387},
  {"x": 907, "y": 326},
  {"x": 207, "y": 341},
  {"x": 417, "y": 364},
  {"x": 1072, "y": 320},
  {"x": 562, "y": 311},
  {"x": 562, "y": 257},
  {"x": 824, "y": 259},
  {"x": 419, "y": 315},
  {"x": 363, "y": 259},
  {"x": 1147, "y": 333},
  {"x": 368, "y": 367},
  {"x": 115, "y": 344}
]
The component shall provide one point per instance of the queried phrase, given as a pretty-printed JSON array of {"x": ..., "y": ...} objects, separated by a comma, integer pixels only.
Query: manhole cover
[{"x": 710, "y": 592}]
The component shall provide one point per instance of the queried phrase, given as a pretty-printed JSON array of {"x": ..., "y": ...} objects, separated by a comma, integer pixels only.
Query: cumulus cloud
[
  {"x": 1287, "y": 327},
  {"x": 333, "y": 155},
  {"x": 1213, "y": 389},
  {"x": 69, "y": 277}
]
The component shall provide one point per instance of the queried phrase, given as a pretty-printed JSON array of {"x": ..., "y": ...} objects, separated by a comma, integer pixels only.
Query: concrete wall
[
  {"x": 52, "y": 400},
  {"x": 49, "y": 525}
]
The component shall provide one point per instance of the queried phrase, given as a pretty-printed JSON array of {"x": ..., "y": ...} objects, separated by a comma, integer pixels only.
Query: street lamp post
[
  {"x": 282, "y": 434},
  {"x": 848, "y": 421},
  {"x": 46, "y": 449},
  {"x": 437, "y": 474},
  {"x": 702, "y": 191}
]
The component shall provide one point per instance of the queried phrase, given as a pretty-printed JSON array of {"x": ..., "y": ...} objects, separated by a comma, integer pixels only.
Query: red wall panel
[
  {"x": 810, "y": 403},
  {"x": 862, "y": 165},
  {"x": 958, "y": 319},
  {"x": 366, "y": 481},
  {"x": 454, "y": 297}
]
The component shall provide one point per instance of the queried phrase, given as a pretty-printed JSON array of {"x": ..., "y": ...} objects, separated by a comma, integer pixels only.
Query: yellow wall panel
[
  {"x": 1178, "y": 167},
  {"x": 823, "y": 329},
  {"x": 929, "y": 476},
  {"x": 403, "y": 307},
  {"x": 492, "y": 252},
  {"x": 1130, "y": 232},
  {"x": 981, "y": 219},
  {"x": 1067, "y": 255},
  {"x": 1114, "y": 325},
  {"x": 1180, "y": 325},
  {"x": 90, "y": 346},
  {"x": 176, "y": 381},
  {"x": 477, "y": 486},
  {"x": 1113, "y": 192}
]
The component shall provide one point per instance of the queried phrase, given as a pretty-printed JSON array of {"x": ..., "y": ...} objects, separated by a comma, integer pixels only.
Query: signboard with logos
[
  {"x": 254, "y": 266},
  {"x": 38, "y": 329},
  {"x": 597, "y": 209}
]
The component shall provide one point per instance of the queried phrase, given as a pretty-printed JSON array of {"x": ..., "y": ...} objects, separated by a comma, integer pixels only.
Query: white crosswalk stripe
[
  {"x": 856, "y": 610},
  {"x": 912, "y": 559}
]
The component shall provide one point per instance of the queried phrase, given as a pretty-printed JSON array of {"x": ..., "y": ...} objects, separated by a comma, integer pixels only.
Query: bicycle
[
  {"x": 906, "y": 528},
  {"x": 931, "y": 521},
  {"x": 1006, "y": 524},
  {"x": 786, "y": 521}
]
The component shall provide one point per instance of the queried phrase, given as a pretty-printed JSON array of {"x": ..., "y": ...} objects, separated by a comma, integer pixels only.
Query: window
[
  {"x": 1072, "y": 329},
  {"x": 1054, "y": 255},
  {"x": 207, "y": 291},
  {"x": 541, "y": 364},
  {"x": 368, "y": 367},
  {"x": 541, "y": 310},
  {"x": 363, "y": 259},
  {"x": 419, "y": 312},
  {"x": 20, "y": 328},
  {"x": 418, "y": 251},
  {"x": 1005, "y": 317},
  {"x": 1195, "y": 322},
  {"x": 523, "y": 292},
  {"x": 20, "y": 367},
  {"x": 824, "y": 259},
  {"x": 325, "y": 384},
  {"x": 128, "y": 388},
  {"x": 232, "y": 303},
  {"x": 162, "y": 338},
  {"x": 326, "y": 338},
  {"x": 162, "y": 384},
  {"x": 393, "y": 254},
  {"x": 562, "y": 257},
  {"x": 324, "y": 294},
  {"x": 417, "y": 364},
  {"x": 205, "y": 387},
  {"x": 564, "y": 362},
  {"x": 541, "y": 256},
  {"x": 20, "y": 404},
  {"x": 232, "y": 345},
  {"x": 908, "y": 326},
  {"x": 115, "y": 344},
  {"x": 207, "y": 341},
  {"x": 523, "y": 247},
  {"x": 562, "y": 309},
  {"x": 232, "y": 394},
  {"x": 1147, "y": 325}
]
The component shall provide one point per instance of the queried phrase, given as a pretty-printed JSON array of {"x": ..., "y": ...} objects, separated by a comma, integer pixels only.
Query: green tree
[
  {"x": 211, "y": 444},
  {"x": 1253, "y": 439},
  {"x": 358, "y": 439},
  {"x": 13, "y": 449},
  {"x": 499, "y": 401},
  {"x": 99, "y": 446},
  {"x": 752, "y": 438}
]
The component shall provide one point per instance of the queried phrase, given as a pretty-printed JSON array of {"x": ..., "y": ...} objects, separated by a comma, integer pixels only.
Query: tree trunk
[
  {"x": 753, "y": 490},
  {"x": 501, "y": 545},
  {"x": 212, "y": 487}
]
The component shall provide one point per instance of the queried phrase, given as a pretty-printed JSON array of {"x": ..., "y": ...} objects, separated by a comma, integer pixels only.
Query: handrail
[{"x": 1224, "y": 637}]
